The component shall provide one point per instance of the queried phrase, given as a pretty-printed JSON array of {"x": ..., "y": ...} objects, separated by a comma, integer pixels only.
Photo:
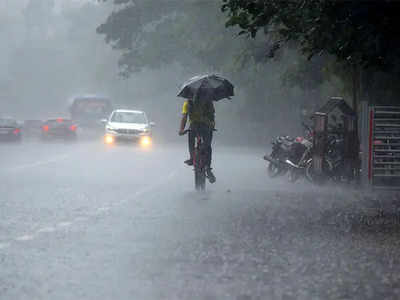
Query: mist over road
[{"x": 85, "y": 221}]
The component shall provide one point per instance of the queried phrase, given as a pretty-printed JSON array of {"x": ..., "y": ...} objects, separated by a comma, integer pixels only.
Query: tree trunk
[{"x": 355, "y": 138}]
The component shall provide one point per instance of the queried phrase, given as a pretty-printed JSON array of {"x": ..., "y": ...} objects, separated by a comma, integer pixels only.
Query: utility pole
[{"x": 356, "y": 86}]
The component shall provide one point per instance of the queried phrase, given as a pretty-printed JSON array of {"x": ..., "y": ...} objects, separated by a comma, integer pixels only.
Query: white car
[{"x": 128, "y": 125}]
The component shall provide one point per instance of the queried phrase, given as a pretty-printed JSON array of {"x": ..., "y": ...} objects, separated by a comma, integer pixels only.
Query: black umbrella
[{"x": 207, "y": 87}]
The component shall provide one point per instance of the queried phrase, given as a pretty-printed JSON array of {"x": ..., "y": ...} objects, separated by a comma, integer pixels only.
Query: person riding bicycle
[{"x": 201, "y": 115}]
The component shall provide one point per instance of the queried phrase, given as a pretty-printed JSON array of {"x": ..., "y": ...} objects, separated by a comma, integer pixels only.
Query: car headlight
[
  {"x": 145, "y": 141},
  {"x": 109, "y": 139}
]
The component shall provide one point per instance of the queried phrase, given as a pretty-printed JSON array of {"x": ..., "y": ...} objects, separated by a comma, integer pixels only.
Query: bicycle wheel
[
  {"x": 199, "y": 173},
  {"x": 200, "y": 180}
]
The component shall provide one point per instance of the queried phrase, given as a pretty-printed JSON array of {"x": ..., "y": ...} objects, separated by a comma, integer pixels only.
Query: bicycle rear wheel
[
  {"x": 200, "y": 180},
  {"x": 199, "y": 173}
]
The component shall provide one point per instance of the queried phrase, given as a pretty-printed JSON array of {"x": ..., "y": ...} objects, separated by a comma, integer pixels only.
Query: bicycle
[{"x": 199, "y": 162}]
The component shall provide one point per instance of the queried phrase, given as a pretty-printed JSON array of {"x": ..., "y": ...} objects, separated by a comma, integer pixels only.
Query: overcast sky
[{"x": 12, "y": 8}]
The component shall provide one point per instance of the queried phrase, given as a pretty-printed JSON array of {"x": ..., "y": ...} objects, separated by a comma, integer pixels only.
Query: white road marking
[
  {"x": 103, "y": 209},
  {"x": 46, "y": 229},
  {"x": 23, "y": 238},
  {"x": 64, "y": 224},
  {"x": 80, "y": 219}
]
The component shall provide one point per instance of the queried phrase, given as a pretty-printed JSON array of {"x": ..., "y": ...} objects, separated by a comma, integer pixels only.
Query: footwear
[
  {"x": 189, "y": 162},
  {"x": 210, "y": 175}
]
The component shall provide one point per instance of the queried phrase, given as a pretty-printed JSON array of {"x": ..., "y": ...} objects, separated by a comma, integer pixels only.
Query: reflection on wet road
[{"x": 83, "y": 221}]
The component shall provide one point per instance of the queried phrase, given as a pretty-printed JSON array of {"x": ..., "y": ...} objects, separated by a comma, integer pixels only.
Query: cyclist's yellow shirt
[
  {"x": 185, "y": 107},
  {"x": 202, "y": 113}
]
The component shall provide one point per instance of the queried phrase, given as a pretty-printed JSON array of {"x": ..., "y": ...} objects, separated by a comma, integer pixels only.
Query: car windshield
[
  {"x": 129, "y": 117},
  {"x": 91, "y": 106},
  {"x": 8, "y": 122}
]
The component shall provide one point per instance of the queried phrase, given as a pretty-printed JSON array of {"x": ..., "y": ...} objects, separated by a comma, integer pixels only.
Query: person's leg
[
  {"x": 206, "y": 134},
  {"x": 210, "y": 148},
  {"x": 191, "y": 142},
  {"x": 207, "y": 137}
]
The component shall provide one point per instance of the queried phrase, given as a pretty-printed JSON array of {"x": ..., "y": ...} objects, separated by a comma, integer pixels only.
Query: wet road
[{"x": 83, "y": 221}]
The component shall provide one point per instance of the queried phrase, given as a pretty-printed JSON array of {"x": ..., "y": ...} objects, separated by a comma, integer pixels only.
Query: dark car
[
  {"x": 32, "y": 128},
  {"x": 88, "y": 111},
  {"x": 59, "y": 129},
  {"x": 10, "y": 130}
]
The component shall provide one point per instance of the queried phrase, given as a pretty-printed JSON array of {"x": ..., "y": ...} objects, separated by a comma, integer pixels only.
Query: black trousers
[{"x": 207, "y": 134}]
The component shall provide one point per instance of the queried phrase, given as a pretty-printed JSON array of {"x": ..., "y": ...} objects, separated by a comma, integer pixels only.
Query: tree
[
  {"x": 361, "y": 35},
  {"x": 155, "y": 33},
  {"x": 358, "y": 32},
  {"x": 136, "y": 27}
]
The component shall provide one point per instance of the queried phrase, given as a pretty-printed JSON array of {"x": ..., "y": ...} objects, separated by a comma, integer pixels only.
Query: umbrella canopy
[{"x": 207, "y": 87}]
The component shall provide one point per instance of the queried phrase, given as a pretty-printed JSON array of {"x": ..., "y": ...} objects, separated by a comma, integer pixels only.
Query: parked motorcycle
[
  {"x": 286, "y": 154},
  {"x": 281, "y": 147},
  {"x": 295, "y": 157},
  {"x": 301, "y": 155},
  {"x": 333, "y": 165}
]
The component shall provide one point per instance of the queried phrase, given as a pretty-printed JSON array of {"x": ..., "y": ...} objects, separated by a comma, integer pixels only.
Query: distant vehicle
[
  {"x": 10, "y": 130},
  {"x": 88, "y": 111},
  {"x": 59, "y": 129},
  {"x": 129, "y": 126},
  {"x": 32, "y": 128}
]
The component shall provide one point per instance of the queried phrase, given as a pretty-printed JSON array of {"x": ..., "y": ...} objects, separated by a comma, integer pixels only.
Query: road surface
[{"x": 85, "y": 221}]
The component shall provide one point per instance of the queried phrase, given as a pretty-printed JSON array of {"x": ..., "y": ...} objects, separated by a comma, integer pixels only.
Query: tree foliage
[
  {"x": 363, "y": 33},
  {"x": 155, "y": 33},
  {"x": 149, "y": 33}
]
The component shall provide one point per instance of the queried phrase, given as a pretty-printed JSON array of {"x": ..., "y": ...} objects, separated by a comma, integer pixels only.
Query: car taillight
[
  {"x": 17, "y": 130},
  {"x": 60, "y": 120},
  {"x": 45, "y": 128},
  {"x": 73, "y": 127},
  {"x": 299, "y": 139}
]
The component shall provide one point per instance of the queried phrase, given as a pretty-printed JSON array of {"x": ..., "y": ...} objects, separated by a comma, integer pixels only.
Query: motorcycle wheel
[
  {"x": 274, "y": 170},
  {"x": 294, "y": 175}
]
